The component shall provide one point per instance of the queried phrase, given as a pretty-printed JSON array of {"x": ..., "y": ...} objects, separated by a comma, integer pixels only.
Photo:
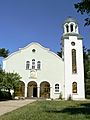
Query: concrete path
[{"x": 7, "y": 106}]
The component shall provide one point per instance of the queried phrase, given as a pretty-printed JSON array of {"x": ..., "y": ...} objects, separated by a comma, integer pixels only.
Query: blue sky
[{"x": 26, "y": 21}]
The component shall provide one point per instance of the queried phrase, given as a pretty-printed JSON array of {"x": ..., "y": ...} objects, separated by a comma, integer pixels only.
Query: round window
[
  {"x": 73, "y": 43},
  {"x": 33, "y": 50}
]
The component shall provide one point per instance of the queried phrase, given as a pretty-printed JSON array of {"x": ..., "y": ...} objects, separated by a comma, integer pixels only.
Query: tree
[
  {"x": 9, "y": 81},
  {"x": 2, "y": 74},
  {"x": 3, "y": 52},
  {"x": 59, "y": 54},
  {"x": 86, "y": 54},
  {"x": 84, "y": 8}
]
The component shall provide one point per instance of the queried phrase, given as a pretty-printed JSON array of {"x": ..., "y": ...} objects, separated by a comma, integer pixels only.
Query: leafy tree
[
  {"x": 3, "y": 52},
  {"x": 87, "y": 71},
  {"x": 84, "y": 8},
  {"x": 59, "y": 54},
  {"x": 9, "y": 81},
  {"x": 2, "y": 74}
]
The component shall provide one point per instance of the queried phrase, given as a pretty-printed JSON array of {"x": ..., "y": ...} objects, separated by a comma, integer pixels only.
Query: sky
[{"x": 26, "y": 21}]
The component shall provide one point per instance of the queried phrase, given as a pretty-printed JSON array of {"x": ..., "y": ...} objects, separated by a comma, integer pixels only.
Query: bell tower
[{"x": 72, "y": 53}]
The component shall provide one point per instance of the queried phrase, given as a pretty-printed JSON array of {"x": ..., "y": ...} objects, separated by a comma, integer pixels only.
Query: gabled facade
[{"x": 44, "y": 74}]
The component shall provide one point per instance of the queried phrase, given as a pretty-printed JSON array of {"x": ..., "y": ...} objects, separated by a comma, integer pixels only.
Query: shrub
[
  {"x": 60, "y": 96},
  {"x": 70, "y": 97},
  {"x": 4, "y": 95}
]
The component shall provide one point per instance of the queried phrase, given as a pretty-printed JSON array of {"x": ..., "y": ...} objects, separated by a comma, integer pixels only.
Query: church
[{"x": 44, "y": 74}]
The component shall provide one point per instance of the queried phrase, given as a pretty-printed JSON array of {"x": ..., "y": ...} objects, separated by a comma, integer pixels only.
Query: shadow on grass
[
  {"x": 81, "y": 110},
  {"x": 73, "y": 110}
]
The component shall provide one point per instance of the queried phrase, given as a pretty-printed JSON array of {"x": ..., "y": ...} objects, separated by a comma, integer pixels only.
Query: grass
[{"x": 51, "y": 110}]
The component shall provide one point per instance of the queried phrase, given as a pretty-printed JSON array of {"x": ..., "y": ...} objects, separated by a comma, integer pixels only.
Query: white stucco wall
[
  {"x": 79, "y": 76},
  {"x": 52, "y": 67}
]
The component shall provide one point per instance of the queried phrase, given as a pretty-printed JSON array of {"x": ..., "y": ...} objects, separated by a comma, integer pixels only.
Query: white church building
[{"x": 46, "y": 75}]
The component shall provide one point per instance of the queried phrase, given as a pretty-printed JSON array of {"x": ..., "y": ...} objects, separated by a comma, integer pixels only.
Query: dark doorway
[
  {"x": 32, "y": 89},
  {"x": 35, "y": 92}
]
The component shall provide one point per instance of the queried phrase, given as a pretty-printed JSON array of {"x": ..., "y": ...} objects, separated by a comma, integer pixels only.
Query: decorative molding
[{"x": 33, "y": 74}]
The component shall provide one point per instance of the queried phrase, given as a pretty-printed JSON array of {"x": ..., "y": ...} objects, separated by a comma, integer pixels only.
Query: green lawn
[{"x": 51, "y": 110}]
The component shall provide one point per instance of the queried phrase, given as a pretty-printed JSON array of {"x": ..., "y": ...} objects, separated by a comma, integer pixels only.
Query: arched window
[
  {"x": 27, "y": 65},
  {"x": 74, "y": 66},
  {"x": 33, "y": 63},
  {"x": 38, "y": 65},
  {"x": 71, "y": 27},
  {"x": 56, "y": 87},
  {"x": 74, "y": 87},
  {"x": 67, "y": 28}
]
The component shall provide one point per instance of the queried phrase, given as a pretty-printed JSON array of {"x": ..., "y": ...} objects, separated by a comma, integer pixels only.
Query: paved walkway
[{"x": 7, "y": 106}]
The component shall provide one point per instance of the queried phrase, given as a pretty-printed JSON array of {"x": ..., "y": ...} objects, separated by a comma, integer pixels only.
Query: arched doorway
[
  {"x": 45, "y": 90},
  {"x": 20, "y": 90},
  {"x": 32, "y": 89}
]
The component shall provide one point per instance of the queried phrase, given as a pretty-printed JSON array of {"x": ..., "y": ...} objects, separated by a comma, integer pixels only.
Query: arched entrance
[
  {"x": 45, "y": 90},
  {"x": 32, "y": 89},
  {"x": 20, "y": 90}
]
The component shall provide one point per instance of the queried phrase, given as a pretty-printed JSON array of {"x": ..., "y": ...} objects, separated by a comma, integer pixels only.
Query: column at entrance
[
  {"x": 25, "y": 90},
  {"x": 51, "y": 93},
  {"x": 38, "y": 91}
]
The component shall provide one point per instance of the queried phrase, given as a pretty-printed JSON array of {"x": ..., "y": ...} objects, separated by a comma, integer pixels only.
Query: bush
[
  {"x": 70, "y": 97},
  {"x": 4, "y": 95},
  {"x": 60, "y": 96},
  {"x": 87, "y": 96}
]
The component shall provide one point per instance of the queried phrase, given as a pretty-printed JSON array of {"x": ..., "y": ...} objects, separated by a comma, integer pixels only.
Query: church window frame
[
  {"x": 74, "y": 64},
  {"x": 27, "y": 65},
  {"x": 74, "y": 87},
  {"x": 72, "y": 27},
  {"x": 38, "y": 65},
  {"x": 33, "y": 63},
  {"x": 67, "y": 28},
  {"x": 57, "y": 87}
]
